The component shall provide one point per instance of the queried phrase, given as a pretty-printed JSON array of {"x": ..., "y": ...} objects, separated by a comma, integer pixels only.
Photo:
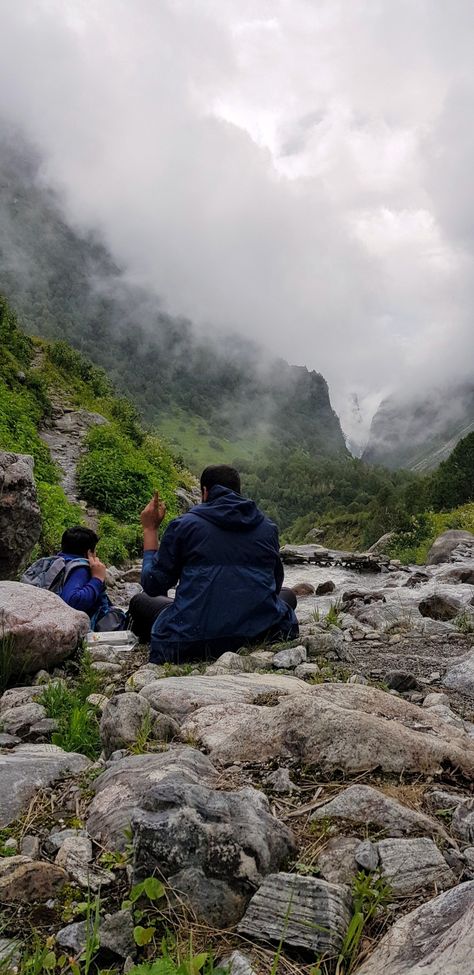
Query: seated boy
[{"x": 84, "y": 588}]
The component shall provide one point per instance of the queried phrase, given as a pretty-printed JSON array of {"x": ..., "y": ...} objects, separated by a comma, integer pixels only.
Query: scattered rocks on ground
[
  {"x": 460, "y": 676},
  {"x": 115, "y": 934},
  {"x": 43, "y": 629},
  {"x": 303, "y": 912},
  {"x": 337, "y": 863},
  {"x": 289, "y": 658},
  {"x": 18, "y": 721}
]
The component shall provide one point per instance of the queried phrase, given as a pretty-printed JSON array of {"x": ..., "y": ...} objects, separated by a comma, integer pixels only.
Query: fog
[{"x": 298, "y": 172}]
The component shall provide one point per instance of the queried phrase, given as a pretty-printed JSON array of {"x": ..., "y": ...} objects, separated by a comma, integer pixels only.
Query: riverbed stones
[
  {"x": 345, "y": 726},
  {"x": 303, "y": 912},
  {"x": 43, "y": 630},
  {"x": 440, "y": 606},
  {"x": 365, "y": 806},
  {"x": 24, "y": 881},
  {"x": 179, "y": 696},
  {"x": 26, "y": 768},
  {"x": 127, "y": 716},
  {"x": 20, "y": 515},
  {"x": 289, "y": 658},
  {"x": 435, "y": 939},
  {"x": 413, "y": 865}
]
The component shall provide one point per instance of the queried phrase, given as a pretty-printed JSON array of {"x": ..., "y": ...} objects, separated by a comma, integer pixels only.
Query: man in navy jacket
[{"x": 223, "y": 557}]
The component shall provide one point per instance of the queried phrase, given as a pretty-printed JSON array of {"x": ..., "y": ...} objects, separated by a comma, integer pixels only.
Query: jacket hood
[{"x": 229, "y": 510}]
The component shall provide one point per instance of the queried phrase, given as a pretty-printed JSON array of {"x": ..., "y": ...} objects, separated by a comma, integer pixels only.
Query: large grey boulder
[
  {"x": 362, "y": 805},
  {"x": 20, "y": 515},
  {"x": 179, "y": 696},
  {"x": 300, "y": 911},
  {"x": 411, "y": 865},
  {"x": 27, "y": 768},
  {"x": 435, "y": 939},
  {"x": 122, "y": 789},
  {"x": 213, "y": 847},
  {"x": 43, "y": 629},
  {"x": 446, "y": 544},
  {"x": 460, "y": 677},
  {"x": 441, "y": 606},
  {"x": 347, "y": 726}
]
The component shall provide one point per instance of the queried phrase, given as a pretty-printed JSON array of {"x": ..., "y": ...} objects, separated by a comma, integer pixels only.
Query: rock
[
  {"x": 179, "y": 696},
  {"x": 124, "y": 717},
  {"x": 98, "y": 701},
  {"x": 325, "y": 588},
  {"x": 123, "y": 786},
  {"x": 144, "y": 675},
  {"x": 10, "y": 955},
  {"x": 367, "y": 856},
  {"x": 364, "y": 806},
  {"x": 304, "y": 671},
  {"x": 11, "y": 844},
  {"x": 336, "y": 863},
  {"x": 231, "y": 663},
  {"x": 8, "y": 741},
  {"x": 411, "y": 865},
  {"x": 382, "y": 544},
  {"x": 400, "y": 681},
  {"x": 435, "y": 939},
  {"x": 43, "y": 629},
  {"x": 237, "y": 964},
  {"x": 42, "y": 677},
  {"x": 326, "y": 643},
  {"x": 75, "y": 855},
  {"x": 20, "y": 515},
  {"x": 462, "y": 574},
  {"x": 15, "y": 697},
  {"x": 106, "y": 668},
  {"x": 440, "y": 799},
  {"x": 462, "y": 823},
  {"x": 299, "y": 911},
  {"x": 25, "y": 881},
  {"x": 440, "y": 606},
  {"x": 18, "y": 721},
  {"x": 115, "y": 934},
  {"x": 446, "y": 544},
  {"x": 460, "y": 677},
  {"x": 345, "y": 726},
  {"x": 289, "y": 658},
  {"x": 417, "y": 578},
  {"x": 30, "y": 846},
  {"x": 213, "y": 847},
  {"x": 280, "y": 781},
  {"x": 303, "y": 589},
  {"x": 432, "y": 700},
  {"x": 56, "y": 839},
  {"x": 26, "y": 768}
]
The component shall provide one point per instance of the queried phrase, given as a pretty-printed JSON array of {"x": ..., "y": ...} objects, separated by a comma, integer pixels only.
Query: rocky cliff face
[{"x": 419, "y": 432}]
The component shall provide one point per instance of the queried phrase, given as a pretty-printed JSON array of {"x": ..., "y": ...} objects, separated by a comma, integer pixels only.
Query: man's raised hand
[
  {"x": 98, "y": 569},
  {"x": 153, "y": 514}
]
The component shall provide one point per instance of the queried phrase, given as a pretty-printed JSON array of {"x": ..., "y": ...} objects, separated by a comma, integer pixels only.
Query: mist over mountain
[
  {"x": 65, "y": 285},
  {"x": 418, "y": 432}
]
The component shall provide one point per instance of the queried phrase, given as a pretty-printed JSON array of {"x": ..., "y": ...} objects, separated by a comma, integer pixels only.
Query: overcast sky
[{"x": 300, "y": 171}]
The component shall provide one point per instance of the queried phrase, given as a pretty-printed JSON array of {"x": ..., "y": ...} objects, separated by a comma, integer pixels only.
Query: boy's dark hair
[
  {"x": 220, "y": 474},
  {"x": 79, "y": 541}
]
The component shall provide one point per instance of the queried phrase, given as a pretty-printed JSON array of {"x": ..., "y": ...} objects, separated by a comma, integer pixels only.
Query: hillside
[
  {"x": 215, "y": 397},
  {"x": 93, "y": 460},
  {"x": 419, "y": 433}
]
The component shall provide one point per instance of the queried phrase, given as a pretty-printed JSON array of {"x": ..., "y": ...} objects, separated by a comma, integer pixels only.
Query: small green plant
[
  {"x": 78, "y": 727},
  {"x": 465, "y": 622},
  {"x": 333, "y": 615},
  {"x": 370, "y": 894},
  {"x": 144, "y": 735}
]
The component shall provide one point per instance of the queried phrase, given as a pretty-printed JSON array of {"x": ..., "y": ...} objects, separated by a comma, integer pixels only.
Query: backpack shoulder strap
[{"x": 74, "y": 564}]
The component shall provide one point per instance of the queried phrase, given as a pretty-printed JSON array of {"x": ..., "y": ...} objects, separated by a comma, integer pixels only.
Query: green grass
[
  {"x": 412, "y": 546},
  {"x": 199, "y": 446},
  {"x": 78, "y": 726}
]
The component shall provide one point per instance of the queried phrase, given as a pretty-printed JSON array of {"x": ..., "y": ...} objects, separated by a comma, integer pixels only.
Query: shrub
[
  {"x": 58, "y": 514},
  {"x": 118, "y": 542},
  {"x": 73, "y": 362}
]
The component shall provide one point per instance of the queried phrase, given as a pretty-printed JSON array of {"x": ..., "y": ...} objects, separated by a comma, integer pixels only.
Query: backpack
[{"x": 51, "y": 572}]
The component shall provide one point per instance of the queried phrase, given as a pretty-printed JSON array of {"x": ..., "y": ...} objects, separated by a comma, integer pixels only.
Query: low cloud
[{"x": 299, "y": 173}]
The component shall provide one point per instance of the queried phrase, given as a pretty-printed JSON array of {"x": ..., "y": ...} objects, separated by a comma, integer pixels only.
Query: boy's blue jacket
[
  {"x": 225, "y": 555},
  {"x": 80, "y": 590}
]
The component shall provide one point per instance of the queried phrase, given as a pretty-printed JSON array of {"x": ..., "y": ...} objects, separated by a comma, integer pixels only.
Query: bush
[
  {"x": 71, "y": 361},
  {"x": 58, "y": 514},
  {"x": 118, "y": 542}
]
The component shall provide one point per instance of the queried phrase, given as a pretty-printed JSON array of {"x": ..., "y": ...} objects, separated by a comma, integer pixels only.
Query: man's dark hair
[
  {"x": 79, "y": 541},
  {"x": 220, "y": 474}
]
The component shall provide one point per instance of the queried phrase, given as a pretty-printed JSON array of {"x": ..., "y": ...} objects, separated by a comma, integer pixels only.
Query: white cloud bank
[{"x": 297, "y": 170}]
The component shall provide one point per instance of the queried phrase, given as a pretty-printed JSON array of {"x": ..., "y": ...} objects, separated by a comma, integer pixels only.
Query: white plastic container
[{"x": 121, "y": 640}]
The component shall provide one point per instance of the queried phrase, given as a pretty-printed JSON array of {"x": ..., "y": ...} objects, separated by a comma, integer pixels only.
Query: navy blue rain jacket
[{"x": 225, "y": 555}]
